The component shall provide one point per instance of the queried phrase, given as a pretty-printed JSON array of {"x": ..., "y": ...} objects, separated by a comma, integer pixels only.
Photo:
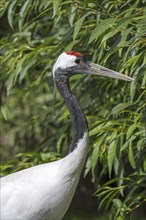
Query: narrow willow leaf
[
  {"x": 120, "y": 42},
  {"x": 25, "y": 69},
  {"x": 120, "y": 107},
  {"x": 125, "y": 146},
  {"x": 133, "y": 61},
  {"x": 18, "y": 69},
  {"x": 120, "y": 25},
  {"x": 102, "y": 191},
  {"x": 116, "y": 165},
  {"x": 117, "y": 203},
  {"x": 103, "y": 126},
  {"x": 71, "y": 45},
  {"x": 59, "y": 142},
  {"x": 95, "y": 154},
  {"x": 132, "y": 90},
  {"x": 136, "y": 59},
  {"x": 111, "y": 156},
  {"x": 72, "y": 15},
  {"x": 101, "y": 28},
  {"x": 4, "y": 112},
  {"x": 130, "y": 130},
  {"x": 11, "y": 13},
  {"x": 144, "y": 79},
  {"x": 44, "y": 4},
  {"x": 56, "y": 4},
  {"x": 3, "y": 7},
  {"x": 105, "y": 198},
  {"x": 140, "y": 144},
  {"x": 10, "y": 82},
  {"x": 131, "y": 156},
  {"x": 110, "y": 199},
  {"x": 120, "y": 218},
  {"x": 124, "y": 35},
  {"x": 78, "y": 25},
  {"x": 23, "y": 13},
  {"x": 144, "y": 165},
  {"x": 87, "y": 166}
]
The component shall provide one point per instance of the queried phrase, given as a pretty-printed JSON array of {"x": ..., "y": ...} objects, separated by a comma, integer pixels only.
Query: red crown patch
[{"x": 73, "y": 53}]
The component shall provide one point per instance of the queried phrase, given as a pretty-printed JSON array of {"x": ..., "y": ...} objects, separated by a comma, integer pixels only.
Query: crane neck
[{"x": 79, "y": 122}]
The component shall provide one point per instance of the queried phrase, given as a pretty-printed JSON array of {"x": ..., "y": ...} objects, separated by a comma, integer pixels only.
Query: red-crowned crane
[{"x": 44, "y": 192}]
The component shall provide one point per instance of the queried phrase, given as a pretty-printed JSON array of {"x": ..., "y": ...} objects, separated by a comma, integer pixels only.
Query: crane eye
[{"x": 77, "y": 61}]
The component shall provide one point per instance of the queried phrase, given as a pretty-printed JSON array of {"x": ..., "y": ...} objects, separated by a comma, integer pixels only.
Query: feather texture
[{"x": 44, "y": 191}]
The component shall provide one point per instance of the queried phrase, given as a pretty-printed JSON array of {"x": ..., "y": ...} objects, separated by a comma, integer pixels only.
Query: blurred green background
[{"x": 35, "y": 123}]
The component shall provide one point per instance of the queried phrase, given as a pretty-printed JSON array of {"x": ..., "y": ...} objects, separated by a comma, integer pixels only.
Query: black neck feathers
[{"x": 79, "y": 123}]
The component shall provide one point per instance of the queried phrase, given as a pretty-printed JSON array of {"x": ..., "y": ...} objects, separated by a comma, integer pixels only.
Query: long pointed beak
[{"x": 96, "y": 69}]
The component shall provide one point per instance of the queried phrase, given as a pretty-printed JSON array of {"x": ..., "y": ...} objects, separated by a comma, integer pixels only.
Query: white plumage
[
  {"x": 44, "y": 191},
  {"x": 64, "y": 61}
]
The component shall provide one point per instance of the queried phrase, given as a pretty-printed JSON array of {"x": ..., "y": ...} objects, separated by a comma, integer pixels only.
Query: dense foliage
[{"x": 35, "y": 122}]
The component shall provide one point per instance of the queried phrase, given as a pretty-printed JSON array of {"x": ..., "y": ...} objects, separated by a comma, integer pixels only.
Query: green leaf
[
  {"x": 72, "y": 15},
  {"x": 131, "y": 130},
  {"x": 124, "y": 35},
  {"x": 11, "y": 11},
  {"x": 111, "y": 155},
  {"x": 78, "y": 25},
  {"x": 106, "y": 197},
  {"x": 120, "y": 107},
  {"x": 71, "y": 45},
  {"x": 95, "y": 154},
  {"x": 23, "y": 13},
  {"x": 120, "y": 25},
  {"x": 132, "y": 90},
  {"x": 126, "y": 144},
  {"x": 4, "y": 112},
  {"x": 121, "y": 42},
  {"x": 140, "y": 144},
  {"x": 101, "y": 28},
  {"x": 10, "y": 82},
  {"x": 144, "y": 165},
  {"x": 120, "y": 218},
  {"x": 87, "y": 167},
  {"x": 56, "y": 4},
  {"x": 117, "y": 203},
  {"x": 131, "y": 156},
  {"x": 25, "y": 68}
]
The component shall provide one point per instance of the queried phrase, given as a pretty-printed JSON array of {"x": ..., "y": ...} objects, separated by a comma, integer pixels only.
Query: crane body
[
  {"x": 44, "y": 192},
  {"x": 49, "y": 187}
]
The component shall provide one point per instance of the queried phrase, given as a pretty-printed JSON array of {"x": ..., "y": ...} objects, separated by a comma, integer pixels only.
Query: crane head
[{"x": 71, "y": 62}]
